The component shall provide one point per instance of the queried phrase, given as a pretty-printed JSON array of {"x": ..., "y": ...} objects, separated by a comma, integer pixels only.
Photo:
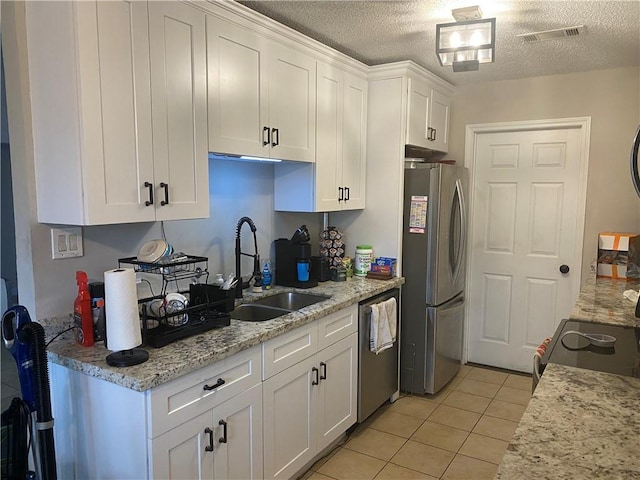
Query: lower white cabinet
[
  {"x": 223, "y": 443},
  {"x": 311, "y": 403},
  {"x": 230, "y": 420}
]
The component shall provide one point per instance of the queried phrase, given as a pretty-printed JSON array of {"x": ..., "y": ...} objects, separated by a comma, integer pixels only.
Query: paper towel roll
[{"x": 121, "y": 309}]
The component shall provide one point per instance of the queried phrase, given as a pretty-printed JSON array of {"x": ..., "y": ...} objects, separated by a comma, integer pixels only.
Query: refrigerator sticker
[{"x": 418, "y": 214}]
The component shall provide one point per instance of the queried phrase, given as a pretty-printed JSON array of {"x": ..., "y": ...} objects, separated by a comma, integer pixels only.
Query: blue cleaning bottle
[{"x": 266, "y": 276}]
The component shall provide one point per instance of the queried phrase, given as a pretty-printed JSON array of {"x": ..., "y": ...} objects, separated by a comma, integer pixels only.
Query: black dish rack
[{"x": 208, "y": 306}]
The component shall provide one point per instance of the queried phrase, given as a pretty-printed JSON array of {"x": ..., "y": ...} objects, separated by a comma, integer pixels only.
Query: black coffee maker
[{"x": 293, "y": 260}]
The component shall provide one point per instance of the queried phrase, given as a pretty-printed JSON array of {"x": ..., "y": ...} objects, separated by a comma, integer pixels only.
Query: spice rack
[{"x": 208, "y": 306}]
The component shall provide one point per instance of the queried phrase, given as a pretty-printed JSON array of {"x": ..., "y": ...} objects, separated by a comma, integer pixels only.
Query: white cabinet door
[
  {"x": 238, "y": 110},
  {"x": 418, "y": 113},
  {"x": 91, "y": 110},
  {"x": 238, "y": 422},
  {"x": 179, "y": 95},
  {"x": 439, "y": 121},
  {"x": 354, "y": 140},
  {"x": 289, "y": 403},
  {"x": 330, "y": 122},
  {"x": 292, "y": 104},
  {"x": 182, "y": 452},
  {"x": 337, "y": 402}
]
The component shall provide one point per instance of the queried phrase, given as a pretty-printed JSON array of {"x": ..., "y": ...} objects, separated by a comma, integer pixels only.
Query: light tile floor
[{"x": 460, "y": 433}]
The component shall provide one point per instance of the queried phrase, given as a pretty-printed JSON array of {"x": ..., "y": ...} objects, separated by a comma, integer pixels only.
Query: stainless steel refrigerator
[{"x": 433, "y": 264}]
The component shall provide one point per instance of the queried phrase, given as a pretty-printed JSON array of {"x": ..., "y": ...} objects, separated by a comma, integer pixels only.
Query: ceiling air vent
[{"x": 579, "y": 30}]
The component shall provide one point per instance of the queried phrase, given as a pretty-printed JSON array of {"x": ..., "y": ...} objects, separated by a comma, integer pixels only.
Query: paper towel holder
[{"x": 127, "y": 358}]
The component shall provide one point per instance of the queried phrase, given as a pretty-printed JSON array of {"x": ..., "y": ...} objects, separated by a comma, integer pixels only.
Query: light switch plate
[{"x": 66, "y": 242}]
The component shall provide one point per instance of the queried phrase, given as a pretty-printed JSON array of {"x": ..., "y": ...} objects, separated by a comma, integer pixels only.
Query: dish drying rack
[{"x": 208, "y": 306}]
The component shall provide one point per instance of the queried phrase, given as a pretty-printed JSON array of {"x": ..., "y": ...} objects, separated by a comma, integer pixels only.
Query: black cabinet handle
[
  {"x": 346, "y": 197},
  {"x": 323, "y": 375},
  {"x": 314, "y": 371},
  {"x": 268, "y": 140},
  {"x": 209, "y": 448},
  {"x": 219, "y": 383},
  {"x": 165, "y": 186},
  {"x": 275, "y": 137},
  {"x": 149, "y": 185},
  {"x": 340, "y": 194},
  {"x": 435, "y": 134},
  {"x": 223, "y": 438}
]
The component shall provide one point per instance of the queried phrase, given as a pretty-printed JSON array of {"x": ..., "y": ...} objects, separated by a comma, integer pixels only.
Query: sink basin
[
  {"x": 291, "y": 300},
  {"x": 257, "y": 313},
  {"x": 275, "y": 306}
]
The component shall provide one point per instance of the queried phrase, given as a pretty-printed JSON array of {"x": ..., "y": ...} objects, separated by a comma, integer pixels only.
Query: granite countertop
[
  {"x": 601, "y": 301},
  {"x": 578, "y": 424},
  {"x": 190, "y": 354}
]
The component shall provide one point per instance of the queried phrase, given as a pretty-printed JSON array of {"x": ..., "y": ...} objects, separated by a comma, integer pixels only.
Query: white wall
[{"x": 610, "y": 97}]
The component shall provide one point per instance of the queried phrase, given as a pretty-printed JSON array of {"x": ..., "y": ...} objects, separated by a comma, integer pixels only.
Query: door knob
[{"x": 564, "y": 269}]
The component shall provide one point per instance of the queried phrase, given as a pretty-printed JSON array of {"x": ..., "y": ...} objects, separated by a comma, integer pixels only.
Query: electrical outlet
[{"x": 66, "y": 242}]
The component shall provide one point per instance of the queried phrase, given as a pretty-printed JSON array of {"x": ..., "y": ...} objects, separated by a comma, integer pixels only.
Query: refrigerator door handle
[
  {"x": 457, "y": 266},
  {"x": 635, "y": 165}
]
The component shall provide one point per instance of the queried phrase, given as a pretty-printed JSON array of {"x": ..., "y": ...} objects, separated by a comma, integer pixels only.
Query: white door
[
  {"x": 238, "y": 437},
  {"x": 184, "y": 452},
  {"x": 337, "y": 403},
  {"x": 289, "y": 406},
  {"x": 439, "y": 121},
  {"x": 354, "y": 161},
  {"x": 179, "y": 98},
  {"x": 292, "y": 104},
  {"x": 527, "y": 221}
]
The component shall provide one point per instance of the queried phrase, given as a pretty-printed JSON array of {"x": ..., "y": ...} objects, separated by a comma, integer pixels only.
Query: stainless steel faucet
[{"x": 256, "y": 258}]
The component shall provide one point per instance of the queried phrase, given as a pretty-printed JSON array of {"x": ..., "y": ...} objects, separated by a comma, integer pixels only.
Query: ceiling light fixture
[{"x": 467, "y": 42}]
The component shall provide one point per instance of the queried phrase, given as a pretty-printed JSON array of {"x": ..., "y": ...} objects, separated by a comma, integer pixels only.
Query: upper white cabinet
[
  {"x": 97, "y": 71},
  {"x": 337, "y": 180},
  {"x": 261, "y": 95},
  {"x": 427, "y": 116},
  {"x": 178, "y": 100}
]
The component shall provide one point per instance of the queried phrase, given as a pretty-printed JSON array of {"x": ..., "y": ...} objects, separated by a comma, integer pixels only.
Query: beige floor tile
[
  {"x": 464, "y": 370},
  {"x": 520, "y": 382},
  {"x": 396, "y": 472},
  {"x": 396, "y": 424},
  {"x": 441, "y": 436},
  {"x": 413, "y": 406},
  {"x": 467, "y": 468},
  {"x": 375, "y": 443},
  {"x": 350, "y": 465},
  {"x": 467, "y": 401},
  {"x": 513, "y": 395},
  {"x": 455, "y": 417},
  {"x": 484, "y": 448},
  {"x": 478, "y": 388},
  {"x": 495, "y": 428},
  {"x": 441, "y": 395},
  {"x": 318, "y": 476},
  {"x": 486, "y": 375},
  {"x": 506, "y": 410},
  {"x": 423, "y": 458}
]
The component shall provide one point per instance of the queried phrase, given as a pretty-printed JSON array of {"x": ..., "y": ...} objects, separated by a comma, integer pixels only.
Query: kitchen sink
[
  {"x": 257, "y": 313},
  {"x": 275, "y": 306},
  {"x": 291, "y": 300}
]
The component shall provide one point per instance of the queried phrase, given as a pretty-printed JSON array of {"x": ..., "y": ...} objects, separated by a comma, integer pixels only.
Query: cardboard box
[
  {"x": 385, "y": 265},
  {"x": 618, "y": 255}
]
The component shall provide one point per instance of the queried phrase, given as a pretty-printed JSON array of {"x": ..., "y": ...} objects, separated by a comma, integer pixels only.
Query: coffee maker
[{"x": 293, "y": 260}]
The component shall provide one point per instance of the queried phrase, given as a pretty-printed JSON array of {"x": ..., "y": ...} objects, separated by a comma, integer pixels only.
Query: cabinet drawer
[
  {"x": 337, "y": 326},
  {"x": 176, "y": 402},
  {"x": 286, "y": 350}
]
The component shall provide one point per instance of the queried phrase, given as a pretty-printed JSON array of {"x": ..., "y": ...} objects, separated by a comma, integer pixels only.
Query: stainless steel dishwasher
[{"x": 377, "y": 374}]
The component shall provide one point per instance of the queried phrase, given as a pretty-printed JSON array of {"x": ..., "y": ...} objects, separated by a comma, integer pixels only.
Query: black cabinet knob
[{"x": 564, "y": 269}]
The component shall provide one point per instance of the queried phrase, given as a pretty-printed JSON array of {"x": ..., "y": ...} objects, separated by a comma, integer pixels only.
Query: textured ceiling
[{"x": 383, "y": 31}]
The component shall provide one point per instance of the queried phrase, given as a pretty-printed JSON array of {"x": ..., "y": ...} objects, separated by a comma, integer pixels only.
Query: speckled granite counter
[
  {"x": 601, "y": 301},
  {"x": 579, "y": 424},
  {"x": 190, "y": 354}
]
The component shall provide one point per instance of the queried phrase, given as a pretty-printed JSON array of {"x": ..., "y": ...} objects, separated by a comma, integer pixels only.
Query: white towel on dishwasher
[{"x": 384, "y": 325}]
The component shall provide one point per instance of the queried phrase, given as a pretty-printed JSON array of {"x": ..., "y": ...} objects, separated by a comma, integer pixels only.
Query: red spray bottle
[{"x": 82, "y": 311}]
